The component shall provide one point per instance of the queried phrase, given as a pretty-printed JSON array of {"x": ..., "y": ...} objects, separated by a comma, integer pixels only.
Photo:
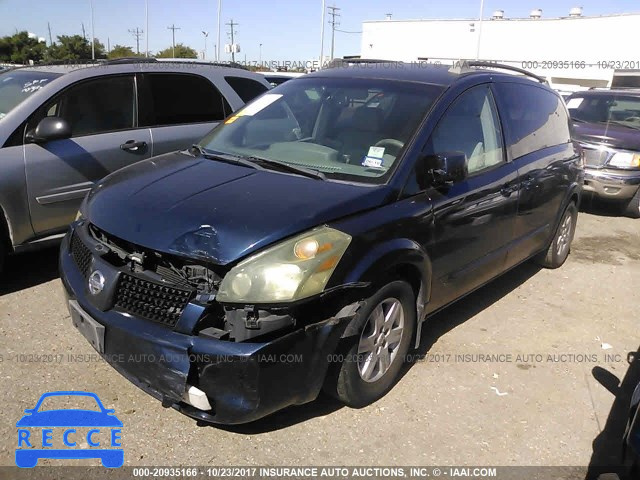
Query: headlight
[
  {"x": 291, "y": 270},
  {"x": 625, "y": 160}
]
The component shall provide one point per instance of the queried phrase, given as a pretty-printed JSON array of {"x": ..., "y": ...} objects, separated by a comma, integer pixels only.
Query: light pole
[
  {"x": 479, "y": 29},
  {"x": 146, "y": 16},
  {"x": 218, "y": 44},
  {"x": 322, "y": 35},
  {"x": 206, "y": 34},
  {"x": 93, "y": 36},
  {"x": 260, "y": 58}
]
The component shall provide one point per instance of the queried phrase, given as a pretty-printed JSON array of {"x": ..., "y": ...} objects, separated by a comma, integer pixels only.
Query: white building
[{"x": 571, "y": 52}]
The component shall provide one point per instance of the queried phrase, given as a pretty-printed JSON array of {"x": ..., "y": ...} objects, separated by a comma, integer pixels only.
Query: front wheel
[
  {"x": 560, "y": 247},
  {"x": 385, "y": 324}
]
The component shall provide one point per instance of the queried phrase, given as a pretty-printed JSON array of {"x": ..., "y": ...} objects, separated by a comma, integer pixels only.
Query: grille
[
  {"x": 81, "y": 254},
  {"x": 153, "y": 301},
  {"x": 595, "y": 158}
]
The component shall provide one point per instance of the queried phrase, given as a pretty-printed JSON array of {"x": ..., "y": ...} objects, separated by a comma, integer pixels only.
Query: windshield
[
  {"x": 351, "y": 129},
  {"x": 617, "y": 109},
  {"x": 17, "y": 85}
]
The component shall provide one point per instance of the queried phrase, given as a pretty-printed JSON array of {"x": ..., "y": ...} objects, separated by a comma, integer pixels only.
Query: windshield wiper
[
  {"x": 274, "y": 164},
  {"x": 222, "y": 157}
]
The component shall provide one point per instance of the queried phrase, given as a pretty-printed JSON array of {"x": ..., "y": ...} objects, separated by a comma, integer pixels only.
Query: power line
[
  {"x": 173, "y": 29},
  {"x": 137, "y": 33},
  {"x": 231, "y": 24},
  {"x": 333, "y": 22},
  {"x": 346, "y": 31}
]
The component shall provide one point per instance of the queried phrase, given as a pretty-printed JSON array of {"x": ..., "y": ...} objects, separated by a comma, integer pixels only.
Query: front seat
[{"x": 362, "y": 132}]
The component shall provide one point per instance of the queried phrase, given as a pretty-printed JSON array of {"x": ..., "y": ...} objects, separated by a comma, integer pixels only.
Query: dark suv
[
  {"x": 305, "y": 241},
  {"x": 607, "y": 125}
]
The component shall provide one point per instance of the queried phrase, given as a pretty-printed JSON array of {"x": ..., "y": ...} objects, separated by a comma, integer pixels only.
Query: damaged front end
[{"x": 166, "y": 330}]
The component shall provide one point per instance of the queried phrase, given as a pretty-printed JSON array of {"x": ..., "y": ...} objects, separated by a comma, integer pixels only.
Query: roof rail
[
  {"x": 614, "y": 88},
  {"x": 126, "y": 60},
  {"x": 465, "y": 65}
]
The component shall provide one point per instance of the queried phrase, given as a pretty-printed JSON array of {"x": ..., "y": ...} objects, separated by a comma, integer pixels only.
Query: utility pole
[
  {"x": 137, "y": 33},
  {"x": 231, "y": 24},
  {"x": 84, "y": 34},
  {"x": 173, "y": 29},
  {"x": 50, "y": 37},
  {"x": 334, "y": 23},
  {"x": 260, "y": 58},
  {"x": 108, "y": 45}
]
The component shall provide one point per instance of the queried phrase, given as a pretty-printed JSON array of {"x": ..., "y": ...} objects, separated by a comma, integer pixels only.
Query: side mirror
[
  {"x": 49, "y": 128},
  {"x": 447, "y": 168}
]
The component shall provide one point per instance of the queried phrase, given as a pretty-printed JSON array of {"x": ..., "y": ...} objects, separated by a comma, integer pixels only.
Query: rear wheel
[
  {"x": 371, "y": 365},
  {"x": 560, "y": 247},
  {"x": 633, "y": 207}
]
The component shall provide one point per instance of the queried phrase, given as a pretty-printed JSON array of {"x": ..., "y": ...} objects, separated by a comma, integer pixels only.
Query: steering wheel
[{"x": 392, "y": 143}]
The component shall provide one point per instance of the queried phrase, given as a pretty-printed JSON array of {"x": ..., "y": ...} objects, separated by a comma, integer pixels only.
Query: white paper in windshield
[
  {"x": 260, "y": 104},
  {"x": 574, "y": 102}
]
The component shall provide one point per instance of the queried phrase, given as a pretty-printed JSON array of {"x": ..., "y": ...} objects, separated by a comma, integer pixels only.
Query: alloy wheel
[{"x": 380, "y": 339}]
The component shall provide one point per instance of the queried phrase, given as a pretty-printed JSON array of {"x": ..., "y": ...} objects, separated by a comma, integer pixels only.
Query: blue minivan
[{"x": 304, "y": 243}]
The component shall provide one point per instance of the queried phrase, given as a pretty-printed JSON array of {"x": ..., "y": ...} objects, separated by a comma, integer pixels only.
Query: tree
[
  {"x": 20, "y": 48},
  {"x": 120, "y": 51},
  {"x": 182, "y": 51},
  {"x": 74, "y": 47}
]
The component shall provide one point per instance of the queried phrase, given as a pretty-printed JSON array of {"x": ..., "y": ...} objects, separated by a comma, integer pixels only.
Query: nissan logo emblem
[{"x": 96, "y": 282}]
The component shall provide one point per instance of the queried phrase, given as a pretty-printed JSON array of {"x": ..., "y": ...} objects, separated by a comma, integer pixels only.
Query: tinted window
[
  {"x": 471, "y": 126},
  {"x": 246, "y": 88},
  {"x": 17, "y": 85},
  {"x": 171, "y": 99},
  {"x": 534, "y": 117},
  {"x": 101, "y": 105}
]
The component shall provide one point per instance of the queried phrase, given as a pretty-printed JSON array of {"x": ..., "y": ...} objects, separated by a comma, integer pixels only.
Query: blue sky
[{"x": 288, "y": 30}]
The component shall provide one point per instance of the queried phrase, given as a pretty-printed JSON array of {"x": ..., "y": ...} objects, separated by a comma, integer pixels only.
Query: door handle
[
  {"x": 133, "y": 146},
  {"x": 507, "y": 189}
]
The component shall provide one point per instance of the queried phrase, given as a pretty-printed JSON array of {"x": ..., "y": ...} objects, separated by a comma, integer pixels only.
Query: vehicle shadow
[
  {"x": 461, "y": 311},
  {"x": 594, "y": 206},
  {"x": 607, "y": 446},
  {"x": 27, "y": 270},
  {"x": 434, "y": 328}
]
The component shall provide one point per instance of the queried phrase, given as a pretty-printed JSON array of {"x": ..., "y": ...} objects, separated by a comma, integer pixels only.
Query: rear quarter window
[
  {"x": 533, "y": 118},
  {"x": 246, "y": 88},
  {"x": 174, "y": 99}
]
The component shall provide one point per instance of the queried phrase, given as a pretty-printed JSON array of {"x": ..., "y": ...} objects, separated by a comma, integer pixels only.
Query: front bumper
[
  {"x": 611, "y": 184},
  {"x": 243, "y": 381}
]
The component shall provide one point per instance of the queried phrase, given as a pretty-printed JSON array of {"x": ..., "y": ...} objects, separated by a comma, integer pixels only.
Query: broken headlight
[{"x": 291, "y": 270}]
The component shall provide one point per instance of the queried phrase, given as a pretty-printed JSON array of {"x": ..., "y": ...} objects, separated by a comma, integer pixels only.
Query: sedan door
[
  {"x": 102, "y": 116},
  {"x": 474, "y": 219}
]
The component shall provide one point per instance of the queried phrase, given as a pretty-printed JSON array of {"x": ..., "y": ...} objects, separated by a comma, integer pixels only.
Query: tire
[
  {"x": 558, "y": 251},
  {"x": 364, "y": 377},
  {"x": 632, "y": 210}
]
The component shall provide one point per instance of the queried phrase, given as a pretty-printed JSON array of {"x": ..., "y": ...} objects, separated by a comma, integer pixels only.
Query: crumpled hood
[
  {"x": 216, "y": 211},
  {"x": 611, "y": 135}
]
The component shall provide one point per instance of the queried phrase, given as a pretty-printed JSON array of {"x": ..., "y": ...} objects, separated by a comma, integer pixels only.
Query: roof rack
[{"x": 463, "y": 66}]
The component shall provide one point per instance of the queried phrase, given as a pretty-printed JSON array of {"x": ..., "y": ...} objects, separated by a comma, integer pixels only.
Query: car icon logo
[
  {"x": 97, "y": 427},
  {"x": 96, "y": 282}
]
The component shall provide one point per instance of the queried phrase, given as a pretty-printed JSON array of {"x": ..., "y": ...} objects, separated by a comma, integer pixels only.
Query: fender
[{"x": 402, "y": 257}]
